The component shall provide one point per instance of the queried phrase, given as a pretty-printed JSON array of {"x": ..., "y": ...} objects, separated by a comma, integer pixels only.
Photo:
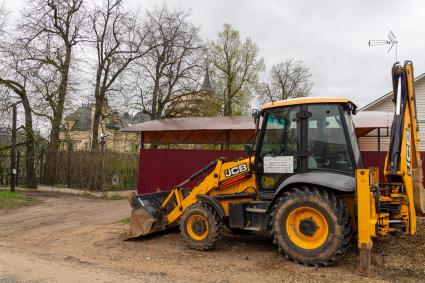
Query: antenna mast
[{"x": 392, "y": 40}]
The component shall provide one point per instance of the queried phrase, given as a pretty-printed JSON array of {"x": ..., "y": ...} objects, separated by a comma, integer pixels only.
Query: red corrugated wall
[
  {"x": 377, "y": 159},
  {"x": 164, "y": 168}
]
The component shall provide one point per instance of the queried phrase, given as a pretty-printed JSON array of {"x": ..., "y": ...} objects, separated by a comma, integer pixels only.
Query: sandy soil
[{"x": 74, "y": 239}]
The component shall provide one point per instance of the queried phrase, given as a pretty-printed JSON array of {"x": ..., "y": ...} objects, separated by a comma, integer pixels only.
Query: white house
[{"x": 378, "y": 139}]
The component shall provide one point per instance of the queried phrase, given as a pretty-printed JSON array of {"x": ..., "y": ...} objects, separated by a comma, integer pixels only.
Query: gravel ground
[{"x": 68, "y": 238}]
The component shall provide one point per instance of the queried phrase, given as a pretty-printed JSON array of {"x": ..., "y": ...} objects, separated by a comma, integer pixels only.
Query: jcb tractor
[{"x": 304, "y": 183}]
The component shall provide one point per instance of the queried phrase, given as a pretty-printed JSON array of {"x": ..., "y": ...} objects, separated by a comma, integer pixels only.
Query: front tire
[
  {"x": 201, "y": 226},
  {"x": 311, "y": 226}
]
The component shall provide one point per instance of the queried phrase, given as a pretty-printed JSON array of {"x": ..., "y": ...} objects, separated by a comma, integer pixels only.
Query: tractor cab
[{"x": 306, "y": 140}]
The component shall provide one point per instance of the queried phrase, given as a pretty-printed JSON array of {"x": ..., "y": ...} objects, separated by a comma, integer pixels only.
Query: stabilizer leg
[
  {"x": 366, "y": 180},
  {"x": 365, "y": 260}
]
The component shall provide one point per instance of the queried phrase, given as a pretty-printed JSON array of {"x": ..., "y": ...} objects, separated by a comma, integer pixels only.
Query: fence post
[
  {"x": 68, "y": 173},
  {"x": 18, "y": 158},
  {"x": 41, "y": 164}
]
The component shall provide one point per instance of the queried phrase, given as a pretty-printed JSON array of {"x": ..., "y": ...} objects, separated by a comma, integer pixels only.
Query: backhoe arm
[
  {"x": 391, "y": 207},
  {"x": 403, "y": 162}
]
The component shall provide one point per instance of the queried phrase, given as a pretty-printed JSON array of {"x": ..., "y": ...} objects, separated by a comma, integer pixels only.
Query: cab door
[{"x": 277, "y": 153}]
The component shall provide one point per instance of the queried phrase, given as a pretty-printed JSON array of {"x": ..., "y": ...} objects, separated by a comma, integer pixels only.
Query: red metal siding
[
  {"x": 377, "y": 159},
  {"x": 164, "y": 168}
]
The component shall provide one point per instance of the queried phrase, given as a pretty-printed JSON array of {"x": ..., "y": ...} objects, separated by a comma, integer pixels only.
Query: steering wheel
[{"x": 285, "y": 150}]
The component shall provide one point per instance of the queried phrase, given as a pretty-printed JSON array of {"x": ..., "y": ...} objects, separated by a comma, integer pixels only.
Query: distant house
[
  {"x": 378, "y": 140},
  {"x": 78, "y": 129},
  {"x": 198, "y": 103}
]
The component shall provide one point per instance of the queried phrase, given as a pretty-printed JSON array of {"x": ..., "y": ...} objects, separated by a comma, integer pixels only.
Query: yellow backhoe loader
[{"x": 304, "y": 183}]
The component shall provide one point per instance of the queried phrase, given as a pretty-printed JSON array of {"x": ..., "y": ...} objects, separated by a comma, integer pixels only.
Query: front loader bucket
[{"x": 146, "y": 215}]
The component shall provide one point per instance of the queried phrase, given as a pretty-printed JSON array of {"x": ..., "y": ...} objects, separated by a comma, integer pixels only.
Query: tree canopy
[{"x": 235, "y": 65}]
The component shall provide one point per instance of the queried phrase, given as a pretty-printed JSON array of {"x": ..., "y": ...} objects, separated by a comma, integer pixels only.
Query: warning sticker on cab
[{"x": 278, "y": 164}]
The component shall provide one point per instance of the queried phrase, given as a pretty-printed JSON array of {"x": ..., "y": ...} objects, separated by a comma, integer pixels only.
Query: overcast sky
[{"x": 331, "y": 37}]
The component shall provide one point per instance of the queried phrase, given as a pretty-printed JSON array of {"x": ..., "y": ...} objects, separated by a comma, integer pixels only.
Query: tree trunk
[
  {"x": 63, "y": 89},
  {"x": 228, "y": 102},
  {"x": 96, "y": 123},
  {"x": 51, "y": 154},
  {"x": 97, "y": 110},
  {"x": 31, "y": 180}
]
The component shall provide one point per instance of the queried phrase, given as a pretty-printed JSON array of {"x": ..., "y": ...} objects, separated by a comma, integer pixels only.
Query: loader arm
[{"x": 158, "y": 211}]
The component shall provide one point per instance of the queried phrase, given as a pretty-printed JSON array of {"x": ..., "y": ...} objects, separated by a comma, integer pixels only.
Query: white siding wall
[{"x": 370, "y": 141}]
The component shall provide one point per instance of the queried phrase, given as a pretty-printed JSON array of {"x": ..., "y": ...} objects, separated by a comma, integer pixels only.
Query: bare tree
[
  {"x": 119, "y": 40},
  {"x": 3, "y": 18},
  {"x": 51, "y": 29},
  {"x": 234, "y": 71},
  {"x": 288, "y": 79},
  {"x": 170, "y": 72},
  {"x": 16, "y": 71}
]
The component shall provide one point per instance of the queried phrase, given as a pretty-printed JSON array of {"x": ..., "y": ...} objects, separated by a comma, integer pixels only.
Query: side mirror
[
  {"x": 255, "y": 115},
  {"x": 248, "y": 150}
]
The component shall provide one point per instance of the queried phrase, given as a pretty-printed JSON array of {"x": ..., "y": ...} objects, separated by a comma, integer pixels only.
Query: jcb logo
[{"x": 235, "y": 170}]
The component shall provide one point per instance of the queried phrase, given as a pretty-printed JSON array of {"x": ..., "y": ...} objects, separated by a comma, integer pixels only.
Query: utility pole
[{"x": 13, "y": 170}]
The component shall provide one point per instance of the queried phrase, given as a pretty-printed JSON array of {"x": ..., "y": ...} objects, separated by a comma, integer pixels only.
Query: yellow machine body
[
  {"x": 298, "y": 215},
  {"x": 215, "y": 184},
  {"x": 225, "y": 178}
]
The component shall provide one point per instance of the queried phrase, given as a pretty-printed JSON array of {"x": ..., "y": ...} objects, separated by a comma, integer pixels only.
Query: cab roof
[{"x": 305, "y": 100}]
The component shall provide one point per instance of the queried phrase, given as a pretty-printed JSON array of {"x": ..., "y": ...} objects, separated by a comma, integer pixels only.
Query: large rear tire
[
  {"x": 311, "y": 226},
  {"x": 201, "y": 226}
]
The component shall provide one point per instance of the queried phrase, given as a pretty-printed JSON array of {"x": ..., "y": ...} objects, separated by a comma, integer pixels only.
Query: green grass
[
  {"x": 125, "y": 220},
  {"x": 15, "y": 200}
]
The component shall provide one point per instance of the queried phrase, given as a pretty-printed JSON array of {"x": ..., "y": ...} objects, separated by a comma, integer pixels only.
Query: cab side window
[{"x": 327, "y": 142}]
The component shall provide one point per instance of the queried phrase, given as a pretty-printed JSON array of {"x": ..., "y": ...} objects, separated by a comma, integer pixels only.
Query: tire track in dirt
[{"x": 84, "y": 234}]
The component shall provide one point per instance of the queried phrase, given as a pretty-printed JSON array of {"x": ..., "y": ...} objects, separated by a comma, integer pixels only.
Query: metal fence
[
  {"x": 98, "y": 171},
  {"x": 164, "y": 168},
  {"x": 5, "y": 177},
  {"x": 92, "y": 170}
]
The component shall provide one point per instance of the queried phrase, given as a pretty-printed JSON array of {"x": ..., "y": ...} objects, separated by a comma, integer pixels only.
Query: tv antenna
[{"x": 392, "y": 40}]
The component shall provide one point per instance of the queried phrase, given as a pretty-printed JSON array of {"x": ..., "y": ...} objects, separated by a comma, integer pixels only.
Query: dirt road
[{"x": 74, "y": 239}]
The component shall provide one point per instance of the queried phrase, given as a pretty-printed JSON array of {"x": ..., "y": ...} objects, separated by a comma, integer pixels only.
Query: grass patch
[
  {"x": 126, "y": 220},
  {"x": 116, "y": 197},
  {"x": 15, "y": 200}
]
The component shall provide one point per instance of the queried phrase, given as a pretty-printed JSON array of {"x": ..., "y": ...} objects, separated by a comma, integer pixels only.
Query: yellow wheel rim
[
  {"x": 307, "y": 228},
  {"x": 197, "y": 227}
]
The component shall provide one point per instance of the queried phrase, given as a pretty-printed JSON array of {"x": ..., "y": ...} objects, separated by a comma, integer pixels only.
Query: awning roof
[
  {"x": 233, "y": 130},
  {"x": 197, "y": 130}
]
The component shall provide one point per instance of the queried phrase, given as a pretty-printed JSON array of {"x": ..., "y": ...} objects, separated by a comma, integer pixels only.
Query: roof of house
[
  {"x": 387, "y": 95},
  {"x": 81, "y": 117}
]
